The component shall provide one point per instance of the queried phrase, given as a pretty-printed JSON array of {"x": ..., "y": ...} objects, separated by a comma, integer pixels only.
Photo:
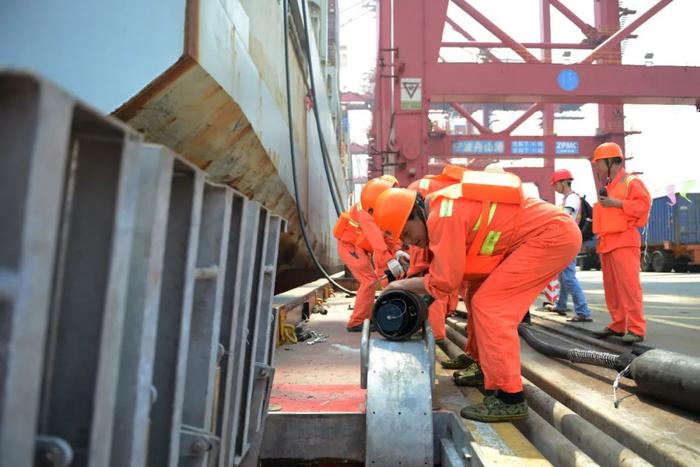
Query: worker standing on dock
[
  {"x": 439, "y": 309},
  {"x": 623, "y": 206},
  {"x": 360, "y": 243},
  {"x": 484, "y": 228},
  {"x": 572, "y": 204}
]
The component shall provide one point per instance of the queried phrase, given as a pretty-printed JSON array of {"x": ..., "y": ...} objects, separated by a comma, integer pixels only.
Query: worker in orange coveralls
[
  {"x": 622, "y": 207},
  {"x": 359, "y": 243},
  {"x": 484, "y": 230},
  {"x": 439, "y": 309}
]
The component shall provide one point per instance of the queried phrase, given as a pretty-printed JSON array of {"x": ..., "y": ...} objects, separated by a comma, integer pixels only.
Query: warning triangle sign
[{"x": 411, "y": 87}]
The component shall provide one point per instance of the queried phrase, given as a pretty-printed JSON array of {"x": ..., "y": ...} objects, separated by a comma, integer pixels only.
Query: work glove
[
  {"x": 403, "y": 258},
  {"x": 395, "y": 268}
]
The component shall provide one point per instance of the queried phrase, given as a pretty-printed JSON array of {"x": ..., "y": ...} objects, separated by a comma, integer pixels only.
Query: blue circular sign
[{"x": 568, "y": 80}]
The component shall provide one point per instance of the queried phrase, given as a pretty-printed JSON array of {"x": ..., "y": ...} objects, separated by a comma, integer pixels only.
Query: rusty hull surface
[{"x": 222, "y": 106}]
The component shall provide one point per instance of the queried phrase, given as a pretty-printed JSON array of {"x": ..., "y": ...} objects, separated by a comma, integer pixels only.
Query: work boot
[
  {"x": 471, "y": 376},
  {"x": 460, "y": 362},
  {"x": 493, "y": 409},
  {"x": 632, "y": 338},
  {"x": 606, "y": 332}
]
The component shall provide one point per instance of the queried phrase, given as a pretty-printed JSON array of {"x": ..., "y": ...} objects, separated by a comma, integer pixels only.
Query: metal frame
[
  {"x": 399, "y": 380},
  {"x": 91, "y": 223},
  {"x": 240, "y": 304},
  {"x": 135, "y": 296},
  {"x": 257, "y": 353},
  {"x": 324, "y": 435},
  {"x": 35, "y": 149},
  {"x": 410, "y": 40},
  {"x": 205, "y": 322},
  {"x": 135, "y": 394},
  {"x": 175, "y": 313}
]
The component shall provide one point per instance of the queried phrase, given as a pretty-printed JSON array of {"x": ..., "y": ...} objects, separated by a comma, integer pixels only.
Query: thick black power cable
[
  {"x": 572, "y": 353},
  {"x": 300, "y": 214},
  {"x": 327, "y": 166}
]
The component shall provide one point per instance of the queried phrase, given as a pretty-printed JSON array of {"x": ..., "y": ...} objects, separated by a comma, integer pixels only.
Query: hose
[
  {"x": 669, "y": 377},
  {"x": 330, "y": 176},
  {"x": 573, "y": 354},
  {"x": 290, "y": 336},
  {"x": 300, "y": 213}
]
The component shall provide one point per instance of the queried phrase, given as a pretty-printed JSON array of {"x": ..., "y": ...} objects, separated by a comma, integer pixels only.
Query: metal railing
[{"x": 136, "y": 320}]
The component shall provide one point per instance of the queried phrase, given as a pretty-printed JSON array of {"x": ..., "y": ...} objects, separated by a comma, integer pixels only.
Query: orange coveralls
[
  {"x": 539, "y": 240},
  {"x": 619, "y": 257},
  {"x": 440, "y": 308},
  {"x": 355, "y": 246}
]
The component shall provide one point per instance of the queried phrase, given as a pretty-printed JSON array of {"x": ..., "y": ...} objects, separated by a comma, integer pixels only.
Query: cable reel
[{"x": 398, "y": 314}]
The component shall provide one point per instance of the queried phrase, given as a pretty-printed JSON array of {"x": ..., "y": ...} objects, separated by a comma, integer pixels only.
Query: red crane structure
[{"x": 412, "y": 78}]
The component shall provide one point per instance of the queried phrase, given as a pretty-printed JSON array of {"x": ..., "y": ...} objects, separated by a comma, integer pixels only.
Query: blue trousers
[{"x": 570, "y": 286}]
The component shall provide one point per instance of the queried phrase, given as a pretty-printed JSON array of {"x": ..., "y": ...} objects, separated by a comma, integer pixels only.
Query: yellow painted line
[
  {"x": 498, "y": 443},
  {"x": 672, "y": 323}
]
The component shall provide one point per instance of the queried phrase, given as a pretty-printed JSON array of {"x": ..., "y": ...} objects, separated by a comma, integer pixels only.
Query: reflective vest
[
  {"x": 347, "y": 228},
  {"x": 611, "y": 219},
  {"x": 491, "y": 189},
  {"x": 450, "y": 175}
]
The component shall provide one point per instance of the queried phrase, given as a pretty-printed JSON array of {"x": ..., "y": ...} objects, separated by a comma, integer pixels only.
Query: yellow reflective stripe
[
  {"x": 353, "y": 223},
  {"x": 424, "y": 184},
  {"x": 492, "y": 211},
  {"x": 446, "y": 207},
  {"x": 490, "y": 243}
]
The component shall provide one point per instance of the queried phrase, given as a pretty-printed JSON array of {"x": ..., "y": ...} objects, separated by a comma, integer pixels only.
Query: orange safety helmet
[
  {"x": 561, "y": 175},
  {"x": 371, "y": 191},
  {"x": 607, "y": 151},
  {"x": 392, "y": 210},
  {"x": 391, "y": 179}
]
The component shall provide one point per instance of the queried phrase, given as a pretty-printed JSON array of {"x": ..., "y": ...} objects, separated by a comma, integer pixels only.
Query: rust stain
[
  {"x": 188, "y": 111},
  {"x": 192, "y": 29},
  {"x": 136, "y": 104}
]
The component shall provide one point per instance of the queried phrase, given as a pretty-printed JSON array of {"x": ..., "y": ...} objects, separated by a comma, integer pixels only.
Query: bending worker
[
  {"x": 484, "y": 228},
  {"x": 439, "y": 309},
  {"x": 622, "y": 207},
  {"x": 360, "y": 242},
  {"x": 561, "y": 181}
]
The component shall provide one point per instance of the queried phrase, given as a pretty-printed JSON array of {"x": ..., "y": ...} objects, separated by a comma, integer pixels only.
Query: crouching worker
[
  {"x": 484, "y": 230},
  {"x": 439, "y": 309},
  {"x": 360, "y": 242}
]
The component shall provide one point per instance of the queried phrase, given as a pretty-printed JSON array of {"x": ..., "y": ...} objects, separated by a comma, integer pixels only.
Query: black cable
[
  {"x": 330, "y": 176},
  {"x": 573, "y": 354},
  {"x": 300, "y": 214}
]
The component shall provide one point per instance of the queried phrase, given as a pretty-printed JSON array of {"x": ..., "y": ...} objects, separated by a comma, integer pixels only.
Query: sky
[{"x": 667, "y": 150}]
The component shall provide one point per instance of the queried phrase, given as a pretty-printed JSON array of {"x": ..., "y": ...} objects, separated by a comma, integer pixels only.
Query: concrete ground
[
  {"x": 325, "y": 376},
  {"x": 671, "y": 307}
]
